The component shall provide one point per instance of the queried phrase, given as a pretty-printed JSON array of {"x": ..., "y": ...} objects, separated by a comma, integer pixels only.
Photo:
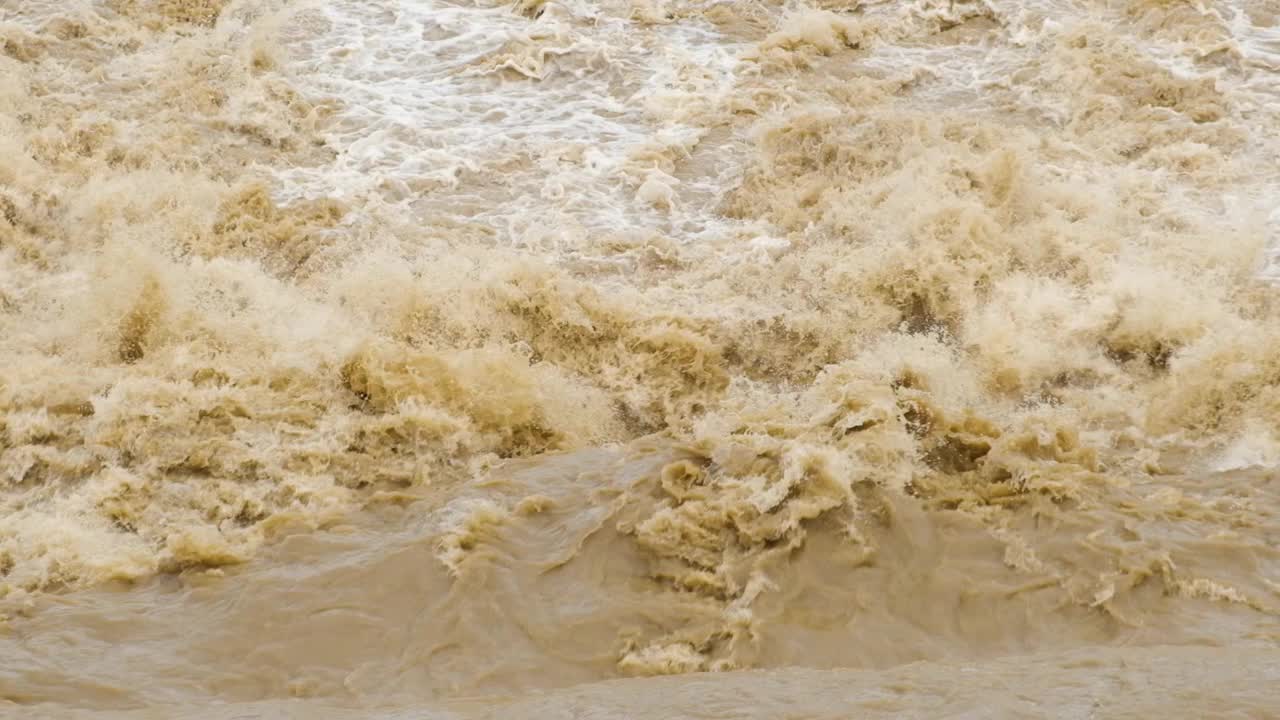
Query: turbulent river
[{"x": 639, "y": 359}]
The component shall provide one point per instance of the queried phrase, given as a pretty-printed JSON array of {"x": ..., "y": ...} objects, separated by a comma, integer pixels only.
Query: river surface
[{"x": 639, "y": 359}]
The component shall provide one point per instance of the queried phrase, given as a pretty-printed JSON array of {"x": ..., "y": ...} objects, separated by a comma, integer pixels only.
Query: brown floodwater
[{"x": 639, "y": 358}]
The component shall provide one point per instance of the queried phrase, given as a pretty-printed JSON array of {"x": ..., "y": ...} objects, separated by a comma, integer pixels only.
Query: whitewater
[{"x": 639, "y": 358}]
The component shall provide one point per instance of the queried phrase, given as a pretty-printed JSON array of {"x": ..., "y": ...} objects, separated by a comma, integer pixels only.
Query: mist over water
[{"x": 642, "y": 358}]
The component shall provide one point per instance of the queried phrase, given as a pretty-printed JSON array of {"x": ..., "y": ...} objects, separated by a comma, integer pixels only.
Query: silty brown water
[{"x": 438, "y": 359}]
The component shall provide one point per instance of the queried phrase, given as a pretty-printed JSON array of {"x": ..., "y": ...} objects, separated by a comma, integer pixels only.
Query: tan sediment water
[{"x": 435, "y": 359}]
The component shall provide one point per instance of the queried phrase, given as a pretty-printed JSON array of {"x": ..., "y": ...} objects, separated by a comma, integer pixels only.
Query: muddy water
[{"x": 435, "y": 359}]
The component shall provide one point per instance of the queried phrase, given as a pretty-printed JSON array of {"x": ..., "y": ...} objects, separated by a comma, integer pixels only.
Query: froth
[{"x": 865, "y": 279}]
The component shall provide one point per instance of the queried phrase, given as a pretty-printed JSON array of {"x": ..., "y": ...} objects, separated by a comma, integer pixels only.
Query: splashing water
[{"x": 449, "y": 358}]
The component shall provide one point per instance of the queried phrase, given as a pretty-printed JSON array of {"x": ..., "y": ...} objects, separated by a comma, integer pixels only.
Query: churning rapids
[{"x": 639, "y": 358}]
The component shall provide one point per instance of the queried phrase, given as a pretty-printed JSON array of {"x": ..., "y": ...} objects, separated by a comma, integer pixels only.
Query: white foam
[
  {"x": 523, "y": 124},
  {"x": 1255, "y": 448}
]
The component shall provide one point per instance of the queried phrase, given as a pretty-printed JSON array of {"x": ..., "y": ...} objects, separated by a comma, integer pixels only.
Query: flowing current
[{"x": 639, "y": 358}]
